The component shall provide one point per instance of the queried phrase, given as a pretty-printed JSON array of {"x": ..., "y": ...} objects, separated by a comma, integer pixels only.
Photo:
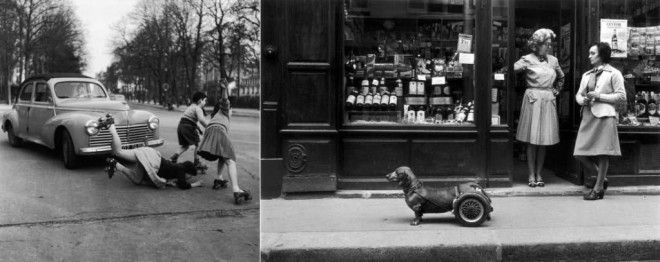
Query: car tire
[
  {"x": 14, "y": 140},
  {"x": 471, "y": 211},
  {"x": 69, "y": 156}
]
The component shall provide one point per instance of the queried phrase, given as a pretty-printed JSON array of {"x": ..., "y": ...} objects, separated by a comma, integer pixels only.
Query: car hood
[{"x": 95, "y": 105}]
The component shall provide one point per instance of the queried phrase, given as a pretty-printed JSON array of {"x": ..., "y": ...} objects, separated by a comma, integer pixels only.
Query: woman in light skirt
[
  {"x": 601, "y": 89},
  {"x": 538, "y": 124},
  {"x": 216, "y": 146}
]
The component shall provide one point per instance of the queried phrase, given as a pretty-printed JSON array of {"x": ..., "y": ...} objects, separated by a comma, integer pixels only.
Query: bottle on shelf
[
  {"x": 398, "y": 90},
  {"x": 392, "y": 106},
  {"x": 640, "y": 105},
  {"x": 352, "y": 96},
  {"x": 377, "y": 99},
  {"x": 385, "y": 101},
  {"x": 368, "y": 101},
  {"x": 652, "y": 106},
  {"x": 361, "y": 97}
]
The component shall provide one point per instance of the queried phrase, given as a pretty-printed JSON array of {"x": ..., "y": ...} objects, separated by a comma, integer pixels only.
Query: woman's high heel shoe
[
  {"x": 241, "y": 196},
  {"x": 594, "y": 195},
  {"x": 217, "y": 184}
]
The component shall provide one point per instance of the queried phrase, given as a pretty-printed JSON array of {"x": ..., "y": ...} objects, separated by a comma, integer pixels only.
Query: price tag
[
  {"x": 466, "y": 58},
  {"x": 438, "y": 80},
  {"x": 421, "y": 77},
  {"x": 499, "y": 76},
  {"x": 464, "y": 43}
]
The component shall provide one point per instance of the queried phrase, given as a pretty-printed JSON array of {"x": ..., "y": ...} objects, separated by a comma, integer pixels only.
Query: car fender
[
  {"x": 72, "y": 122},
  {"x": 12, "y": 117},
  {"x": 477, "y": 195}
]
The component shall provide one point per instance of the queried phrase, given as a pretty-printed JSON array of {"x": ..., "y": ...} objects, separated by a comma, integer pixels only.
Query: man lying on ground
[{"x": 145, "y": 165}]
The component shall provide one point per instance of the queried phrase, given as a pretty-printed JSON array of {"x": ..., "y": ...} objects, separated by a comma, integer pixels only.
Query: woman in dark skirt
[
  {"x": 601, "y": 89},
  {"x": 216, "y": 146},
  {"x": 187, "y": 129}
]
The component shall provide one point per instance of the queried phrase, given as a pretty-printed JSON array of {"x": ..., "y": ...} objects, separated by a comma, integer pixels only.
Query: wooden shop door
[{"x": 300, "y": 84}]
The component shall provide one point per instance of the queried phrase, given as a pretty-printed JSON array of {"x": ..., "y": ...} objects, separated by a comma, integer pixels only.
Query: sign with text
[
  {"x": 615, "y": 33},
  {"x": 464, "y": 43}
]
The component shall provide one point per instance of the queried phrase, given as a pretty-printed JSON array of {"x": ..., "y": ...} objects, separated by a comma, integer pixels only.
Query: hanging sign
[
  {"x": 615, "y": 33},
  {"x": 464, "y": 58},
  {"x": 464, "y": 43}
]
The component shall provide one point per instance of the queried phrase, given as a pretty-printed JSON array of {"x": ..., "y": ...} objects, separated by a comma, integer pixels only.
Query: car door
[
  {"x": 23, "y": 104},
  {"x": 41, "y": 110}
]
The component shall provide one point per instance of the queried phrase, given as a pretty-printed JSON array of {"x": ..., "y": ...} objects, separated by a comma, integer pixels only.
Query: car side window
[
  {"x": 26, "y": 93},
  {"x": 41, "y": 93}
]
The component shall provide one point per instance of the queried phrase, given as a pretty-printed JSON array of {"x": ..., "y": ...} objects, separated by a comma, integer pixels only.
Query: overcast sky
[{"x": 98, "y": 18}]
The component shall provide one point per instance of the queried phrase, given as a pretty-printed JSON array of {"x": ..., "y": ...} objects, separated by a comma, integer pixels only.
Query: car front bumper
[{"x": 100, "y": 150}]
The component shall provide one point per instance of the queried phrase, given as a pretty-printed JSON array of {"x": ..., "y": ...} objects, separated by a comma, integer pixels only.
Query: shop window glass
[
  {"x": 636, "y": 48},
  {"x": 409, "y": 62},
  {"x": 500, "y": 49}
]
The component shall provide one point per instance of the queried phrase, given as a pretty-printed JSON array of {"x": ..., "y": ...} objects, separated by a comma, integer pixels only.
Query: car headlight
[
  {"x": 92, "y": 127},
  {"x": 153, "y": 123}
]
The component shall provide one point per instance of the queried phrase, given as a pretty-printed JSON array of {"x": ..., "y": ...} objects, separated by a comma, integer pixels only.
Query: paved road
[{"x": 50, "y": 213}]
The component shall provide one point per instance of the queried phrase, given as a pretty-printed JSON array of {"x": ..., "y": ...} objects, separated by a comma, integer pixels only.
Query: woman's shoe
[
  {"x": 531, "y": 183},
  {"x": 594, "y": 195},
  {"x": 111, "y": 166},
  {"x": 105, "y": 123},
  {"x": 217, "y": 184},
  {"x": 241, "y": 196},
  {"x": 540, "y": 183}
]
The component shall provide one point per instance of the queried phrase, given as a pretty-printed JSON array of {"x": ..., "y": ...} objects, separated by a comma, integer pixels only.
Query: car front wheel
[
  {"x": 13, "y": 139},
  {"x": 68, "y": 151}
]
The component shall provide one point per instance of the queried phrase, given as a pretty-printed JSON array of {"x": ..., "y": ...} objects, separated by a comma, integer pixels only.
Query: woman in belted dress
[
  {"x": 538, "y": 124},
  {"x": 601, "y": 89},
  {"x": 187, "y": 128},
  {"x": 216, "y": 146}
]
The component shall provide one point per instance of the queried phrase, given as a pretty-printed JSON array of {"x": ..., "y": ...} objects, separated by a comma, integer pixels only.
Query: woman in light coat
[{"x": 600, "y": 90}]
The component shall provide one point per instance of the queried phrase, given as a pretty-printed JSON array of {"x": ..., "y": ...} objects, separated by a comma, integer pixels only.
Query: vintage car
[{"x": 61, "y": 112}]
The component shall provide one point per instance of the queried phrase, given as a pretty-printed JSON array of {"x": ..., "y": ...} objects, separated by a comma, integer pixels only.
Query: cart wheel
[{"x": 471, "y": 212}]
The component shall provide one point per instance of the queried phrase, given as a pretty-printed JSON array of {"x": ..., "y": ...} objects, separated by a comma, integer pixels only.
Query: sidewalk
[
  {"x": 620, "y": 227},
  {"x": 245, "y": 112}
]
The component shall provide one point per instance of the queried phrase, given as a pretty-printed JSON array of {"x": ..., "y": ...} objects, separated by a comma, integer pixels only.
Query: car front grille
[{"x": 127, "y": 134}]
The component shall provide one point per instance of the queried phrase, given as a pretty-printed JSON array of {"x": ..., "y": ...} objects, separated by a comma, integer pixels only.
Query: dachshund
[{"x": 423, "y": 199}]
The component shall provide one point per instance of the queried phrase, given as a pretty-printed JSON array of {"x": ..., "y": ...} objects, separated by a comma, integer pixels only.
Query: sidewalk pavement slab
[{"x": 620, "y": 227}]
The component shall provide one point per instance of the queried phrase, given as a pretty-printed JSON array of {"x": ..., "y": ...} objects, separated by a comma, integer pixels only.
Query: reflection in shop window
[{"x": 409, "y": 62}]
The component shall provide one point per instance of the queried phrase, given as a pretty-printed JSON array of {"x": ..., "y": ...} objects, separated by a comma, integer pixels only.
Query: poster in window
[{"x": 615, "y": 33}]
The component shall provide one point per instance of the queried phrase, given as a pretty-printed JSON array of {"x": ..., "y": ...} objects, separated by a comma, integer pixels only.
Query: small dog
[{"x": 423, "y": 199}]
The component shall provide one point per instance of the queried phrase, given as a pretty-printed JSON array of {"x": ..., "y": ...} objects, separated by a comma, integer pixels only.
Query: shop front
[{"x": 353, "y": 89}]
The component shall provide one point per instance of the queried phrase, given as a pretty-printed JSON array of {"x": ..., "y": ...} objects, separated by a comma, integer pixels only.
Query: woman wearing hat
[{"x": 538, "y": 124}]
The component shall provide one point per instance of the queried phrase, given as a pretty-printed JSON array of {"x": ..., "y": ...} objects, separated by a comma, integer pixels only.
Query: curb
[
  {"x": 478, "y": 244},
  {"x": 493, "y": 192}
]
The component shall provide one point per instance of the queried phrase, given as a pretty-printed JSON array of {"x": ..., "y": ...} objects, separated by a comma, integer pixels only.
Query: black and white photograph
[
  {"x": 329, "y": 130},
  {"x": 460, "y": 130},
  {"x": 130, "y": 130}
]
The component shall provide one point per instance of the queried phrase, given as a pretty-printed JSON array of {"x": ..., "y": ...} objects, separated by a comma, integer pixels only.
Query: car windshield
[{"x": 79, "y": 90}]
